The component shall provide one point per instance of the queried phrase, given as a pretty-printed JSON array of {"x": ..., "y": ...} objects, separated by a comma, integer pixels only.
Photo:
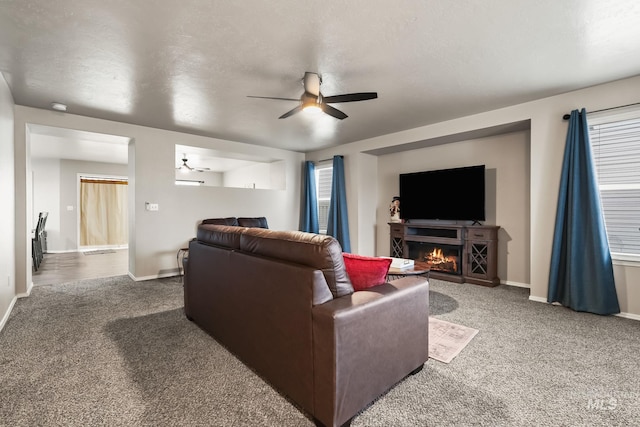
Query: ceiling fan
[
  {"x": 312, "y": 98},
  {"x": 184, "y": 167}
]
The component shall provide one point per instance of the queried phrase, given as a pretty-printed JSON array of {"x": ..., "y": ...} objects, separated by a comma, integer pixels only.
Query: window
[
  {"x": 615, "y": 141},
  {"x": 324, "y": 180}
]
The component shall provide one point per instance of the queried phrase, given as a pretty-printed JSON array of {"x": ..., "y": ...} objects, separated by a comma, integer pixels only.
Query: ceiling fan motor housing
[
  {"x": 312, "y": 98},
  {"x": 308, "y": 100}
]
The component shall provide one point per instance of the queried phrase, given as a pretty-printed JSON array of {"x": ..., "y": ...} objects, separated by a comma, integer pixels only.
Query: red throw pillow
[{"x": 366, "y": 271}]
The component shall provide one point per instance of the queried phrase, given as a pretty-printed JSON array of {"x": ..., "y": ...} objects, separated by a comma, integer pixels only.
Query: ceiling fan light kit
[
  {"x": 311, "y": 104},
  {"x": 313, "y": 100}
]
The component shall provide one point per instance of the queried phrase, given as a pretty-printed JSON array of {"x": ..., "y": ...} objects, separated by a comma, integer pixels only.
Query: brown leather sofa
[{"x": 282, "y": 302}]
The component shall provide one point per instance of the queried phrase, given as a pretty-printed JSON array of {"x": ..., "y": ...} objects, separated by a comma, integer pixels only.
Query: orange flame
[{"x": 437, "y": 257}]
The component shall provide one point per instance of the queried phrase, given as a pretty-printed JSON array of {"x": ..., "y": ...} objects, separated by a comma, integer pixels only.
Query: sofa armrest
[{"x": 366, "y": 342}]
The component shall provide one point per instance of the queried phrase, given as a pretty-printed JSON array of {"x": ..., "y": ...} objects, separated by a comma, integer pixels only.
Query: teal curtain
[
  {"x": 309, "y": 221},
  {"x": 581, "y": 274},
  {"x": 338, "y": 225}
]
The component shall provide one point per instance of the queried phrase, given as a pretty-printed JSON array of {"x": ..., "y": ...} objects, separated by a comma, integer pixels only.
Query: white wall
[
  {"x": 46, "y": 196},
  {"x": 364, "y": 235},
  {"x": 253, "y": 176},
  {"x": 155, "y": 237},
  {"x": 7, "y": 206},
  {"x": 547, "y": 140}
]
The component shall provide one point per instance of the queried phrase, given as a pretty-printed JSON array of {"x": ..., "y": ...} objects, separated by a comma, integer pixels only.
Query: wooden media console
[{"x": 456, "y": 253}]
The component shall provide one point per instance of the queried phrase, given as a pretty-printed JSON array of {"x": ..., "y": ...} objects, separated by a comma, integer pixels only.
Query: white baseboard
[
  {"x": 516, "y": 284},
  {"x": 5, "y": 318},
  {"x": 6, "y": 315},
  {"x": 153, "y": 276},
  {"x": 538, "y": 299},
  {"x": 629, "y": 316}
]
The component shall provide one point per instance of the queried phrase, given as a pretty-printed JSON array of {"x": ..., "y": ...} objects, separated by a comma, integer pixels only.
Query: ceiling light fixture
[
  {"x": 312, "y": 105},
  {"x": 58, "y": 106}
]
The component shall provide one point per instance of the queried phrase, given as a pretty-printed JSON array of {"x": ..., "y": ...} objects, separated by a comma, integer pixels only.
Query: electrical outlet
[{"x": 151, "y": 206}]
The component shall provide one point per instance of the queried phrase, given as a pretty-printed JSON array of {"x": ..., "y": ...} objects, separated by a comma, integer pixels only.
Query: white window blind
[
  {"x": 615, "y": 141},
  {"x": 324, "y": 180}
]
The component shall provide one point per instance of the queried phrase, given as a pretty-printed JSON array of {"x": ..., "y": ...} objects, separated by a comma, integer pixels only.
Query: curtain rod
[
  {"x": 567, "y": 116},
  {"x": 103, "y": 178},
  {"x": 327, "y": 160}
]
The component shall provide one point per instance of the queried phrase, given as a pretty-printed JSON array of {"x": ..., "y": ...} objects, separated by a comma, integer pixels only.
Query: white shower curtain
[{"x": 103, "y": 212}]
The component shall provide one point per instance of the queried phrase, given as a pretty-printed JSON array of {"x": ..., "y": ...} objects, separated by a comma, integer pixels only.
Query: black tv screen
[{"x": 446, "y": 194}]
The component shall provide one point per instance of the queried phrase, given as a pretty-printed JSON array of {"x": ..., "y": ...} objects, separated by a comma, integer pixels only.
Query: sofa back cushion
[
  {"x": 314, "y": 250},
  {"x": 232, "y": 220},
  {"x": 225, "y": 236},
  {"x": 258, "y": 222}
]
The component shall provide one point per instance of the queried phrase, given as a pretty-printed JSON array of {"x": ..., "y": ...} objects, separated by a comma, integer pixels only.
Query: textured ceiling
[{"x": 189, "y": 65}]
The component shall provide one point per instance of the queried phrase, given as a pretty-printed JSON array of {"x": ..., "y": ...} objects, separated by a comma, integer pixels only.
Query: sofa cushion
[
  {"x": 232, "y": 220},
  {"x": 314, "y": 250},
  {"x": 365, "y": 271},
  {"x": 225, "y": 236},
  {"x": 259, "y": 222}
]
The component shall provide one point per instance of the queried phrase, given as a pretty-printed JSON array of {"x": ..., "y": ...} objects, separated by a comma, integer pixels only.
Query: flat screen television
[{"x": 445, "y": 194}]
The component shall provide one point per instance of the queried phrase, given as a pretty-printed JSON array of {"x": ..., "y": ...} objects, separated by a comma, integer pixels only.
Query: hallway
[{"x": 68, "y": 267}]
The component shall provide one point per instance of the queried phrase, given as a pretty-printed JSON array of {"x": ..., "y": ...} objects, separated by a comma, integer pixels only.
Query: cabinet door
[
  {"x": 397, "y": 245},
  {"x": 480, "y": 262},
  {"x": 397, "y": 248},
  {"x": 477, "y": 259}
]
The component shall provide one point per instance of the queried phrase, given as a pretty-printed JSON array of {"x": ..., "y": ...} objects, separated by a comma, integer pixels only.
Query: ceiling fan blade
[
  {"x": 311, "y": 83},
  {"x": 291, "y": 112},
  {"x": 351, "y": 97},
  {"x": 271, "y": 97},
  {"x": 333, "y": 112}
]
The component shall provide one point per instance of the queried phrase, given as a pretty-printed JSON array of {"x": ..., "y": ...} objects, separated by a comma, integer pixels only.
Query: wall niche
[{"x": 215, "y": 168}]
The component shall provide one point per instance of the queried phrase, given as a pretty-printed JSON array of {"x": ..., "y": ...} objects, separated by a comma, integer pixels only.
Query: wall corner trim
[{"x": 26, "y": 294}]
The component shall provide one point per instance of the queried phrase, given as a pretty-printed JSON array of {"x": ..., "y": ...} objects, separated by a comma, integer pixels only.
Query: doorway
[{"x": 57, "y": 158}]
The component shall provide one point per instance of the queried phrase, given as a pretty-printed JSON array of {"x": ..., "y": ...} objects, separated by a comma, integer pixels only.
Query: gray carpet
[{"x": 119, "y": 353}]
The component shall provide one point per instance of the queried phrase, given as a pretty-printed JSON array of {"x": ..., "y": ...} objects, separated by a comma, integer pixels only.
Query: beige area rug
[{"x": 446, "y": 339}]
